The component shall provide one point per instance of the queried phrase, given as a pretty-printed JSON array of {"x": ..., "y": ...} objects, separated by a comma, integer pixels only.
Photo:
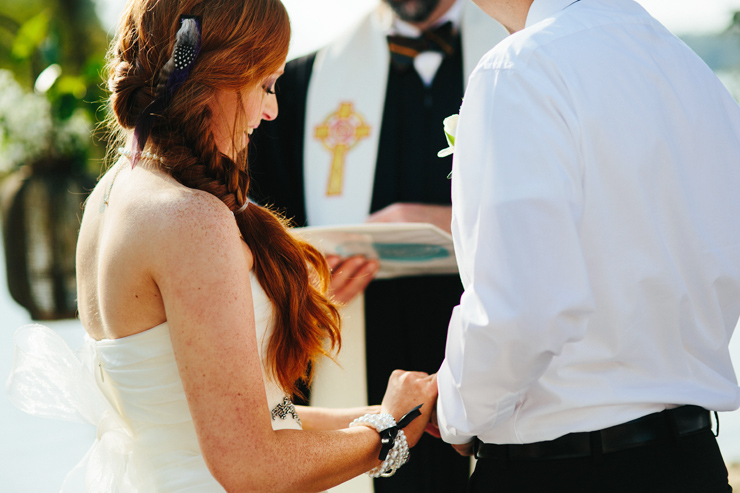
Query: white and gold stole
[{"x": 344, "y": 111}]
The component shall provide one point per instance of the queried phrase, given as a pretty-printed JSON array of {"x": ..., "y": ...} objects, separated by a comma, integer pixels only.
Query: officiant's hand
[
  {"x": 439, "y": 215},
  {"x": 406, "y": 390},
  {"x": 350, "y": 276}
]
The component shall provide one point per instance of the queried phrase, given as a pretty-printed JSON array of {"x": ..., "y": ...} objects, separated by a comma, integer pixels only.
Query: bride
[{"x": 202, "y": 311}]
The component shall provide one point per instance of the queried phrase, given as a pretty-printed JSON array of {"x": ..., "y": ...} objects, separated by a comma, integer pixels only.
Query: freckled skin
[
  {"x": 121, "y": 249},
  {"x": 179, "y": 252}
]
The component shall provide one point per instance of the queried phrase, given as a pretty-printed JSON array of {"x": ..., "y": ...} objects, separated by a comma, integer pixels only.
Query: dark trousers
[
  {"x": 687, "y": 464},
  {"x": 413, "y": 313},
  {"x": 433, "y": 467}
]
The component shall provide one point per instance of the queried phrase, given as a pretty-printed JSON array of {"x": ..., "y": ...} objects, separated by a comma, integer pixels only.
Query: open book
[{"x": 403, "y": 249}]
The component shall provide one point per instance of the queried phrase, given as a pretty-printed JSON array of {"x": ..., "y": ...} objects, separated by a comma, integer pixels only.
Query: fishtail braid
[
  {"x": 243, "y": 44},
  {"x": 286, "y": 267}
]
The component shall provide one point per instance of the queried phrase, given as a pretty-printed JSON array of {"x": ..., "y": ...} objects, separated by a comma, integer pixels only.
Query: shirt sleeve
[{"x": 517, "y": 200}]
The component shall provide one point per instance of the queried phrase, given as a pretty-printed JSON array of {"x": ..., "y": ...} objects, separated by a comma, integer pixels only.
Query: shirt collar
[
  {"x": 542, "y": 9},
  {"x": 453, "y": 14}
]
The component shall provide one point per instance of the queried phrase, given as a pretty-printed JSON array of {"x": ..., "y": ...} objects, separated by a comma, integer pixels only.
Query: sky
[{"x": 316, "y": 22}]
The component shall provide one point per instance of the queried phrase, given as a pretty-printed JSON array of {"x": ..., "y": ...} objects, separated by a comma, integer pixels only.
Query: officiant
[{"x": 356, "y": 140}]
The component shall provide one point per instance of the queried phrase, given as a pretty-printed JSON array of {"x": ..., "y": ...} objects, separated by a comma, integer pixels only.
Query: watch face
[{"x": 413, "y": 10}]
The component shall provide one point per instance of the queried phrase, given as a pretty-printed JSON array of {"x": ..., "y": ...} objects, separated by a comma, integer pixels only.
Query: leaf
[
  {"x": 75, "y": 86},
  {"x": 31, "y": 35}
]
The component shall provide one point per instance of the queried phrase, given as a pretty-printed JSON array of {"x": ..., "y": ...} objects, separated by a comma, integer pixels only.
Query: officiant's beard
[{"x": 413, "y": 10}]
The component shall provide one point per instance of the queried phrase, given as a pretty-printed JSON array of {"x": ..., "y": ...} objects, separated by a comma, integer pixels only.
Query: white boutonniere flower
[{"x": 450, "y": 128}]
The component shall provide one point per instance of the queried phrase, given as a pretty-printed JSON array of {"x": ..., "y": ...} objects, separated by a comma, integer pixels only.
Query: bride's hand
[{"x": 405, "y": 391}]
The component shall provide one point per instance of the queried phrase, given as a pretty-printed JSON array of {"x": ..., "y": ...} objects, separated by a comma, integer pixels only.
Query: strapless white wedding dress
[{"x": 130, "y": 389}]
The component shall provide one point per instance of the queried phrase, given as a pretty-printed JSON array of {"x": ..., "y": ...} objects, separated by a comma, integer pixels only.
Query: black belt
[{"x": 675, "y": 422}]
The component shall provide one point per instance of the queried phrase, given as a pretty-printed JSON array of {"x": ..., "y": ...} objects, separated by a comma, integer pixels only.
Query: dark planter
[{"x": 41, "y": 212}]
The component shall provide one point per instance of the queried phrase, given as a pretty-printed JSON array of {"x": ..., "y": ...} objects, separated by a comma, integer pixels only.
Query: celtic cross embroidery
[{"x": 339, "y": 133}]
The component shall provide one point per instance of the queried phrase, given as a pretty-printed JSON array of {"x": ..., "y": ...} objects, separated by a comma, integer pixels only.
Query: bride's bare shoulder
[
  {"x": 184, "y": 206},
  {"x": 152, "y": 211},
  {"x": 184, "y": 214},
  {"x": 148, "y": 212}
]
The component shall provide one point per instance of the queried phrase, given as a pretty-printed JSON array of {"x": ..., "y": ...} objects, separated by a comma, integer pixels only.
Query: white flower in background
[
  {"x": 25, "y": 123},
  {"x": 450, "y": 127},
  {"x": 27, "y": 130},
  {"x": 73, "y": 134}
]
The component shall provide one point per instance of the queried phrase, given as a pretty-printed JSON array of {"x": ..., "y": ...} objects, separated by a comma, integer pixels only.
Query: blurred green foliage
[{"x": 37, "y": 34}]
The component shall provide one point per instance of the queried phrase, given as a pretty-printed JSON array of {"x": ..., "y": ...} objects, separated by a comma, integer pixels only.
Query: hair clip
[{"x": 173, "y": 74}]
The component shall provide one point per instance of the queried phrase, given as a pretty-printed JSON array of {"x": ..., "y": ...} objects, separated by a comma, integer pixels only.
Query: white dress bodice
[{"x": 130, "y": 389}]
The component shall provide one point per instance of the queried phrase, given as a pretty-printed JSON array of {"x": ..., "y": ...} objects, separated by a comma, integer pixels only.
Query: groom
[{"x": 596, "y": 196}]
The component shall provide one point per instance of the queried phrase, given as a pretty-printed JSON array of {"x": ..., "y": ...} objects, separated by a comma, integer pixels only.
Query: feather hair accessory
[{"x": 172, "y": 75}]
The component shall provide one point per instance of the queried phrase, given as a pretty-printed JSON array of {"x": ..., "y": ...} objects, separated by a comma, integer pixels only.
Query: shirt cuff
[{"x": 449, "y": 399}]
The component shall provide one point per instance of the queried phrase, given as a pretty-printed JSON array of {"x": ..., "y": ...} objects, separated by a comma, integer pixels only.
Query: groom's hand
[
  {"x": 349, "y": 276},
  {"x": 464, "y": 449},
  {"x": 432, "y": 427}
]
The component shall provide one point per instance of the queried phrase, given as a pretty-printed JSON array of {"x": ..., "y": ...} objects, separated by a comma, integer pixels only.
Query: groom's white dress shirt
[{"x": 596, "y": 220}]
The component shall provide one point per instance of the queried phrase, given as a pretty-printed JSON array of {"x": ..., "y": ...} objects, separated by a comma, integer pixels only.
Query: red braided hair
[{"x": 243, "y": 42}]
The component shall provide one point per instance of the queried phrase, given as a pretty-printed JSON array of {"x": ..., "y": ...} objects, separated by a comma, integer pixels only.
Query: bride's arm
[
  {"x": 323, "y": 418},
  {"x": 202, "y": 270}
]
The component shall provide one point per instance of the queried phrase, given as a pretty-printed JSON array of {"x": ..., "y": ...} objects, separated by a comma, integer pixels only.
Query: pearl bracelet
[{"x": 397, "y": 456}]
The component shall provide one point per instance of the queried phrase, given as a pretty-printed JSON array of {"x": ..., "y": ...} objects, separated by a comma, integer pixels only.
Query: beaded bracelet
[{"x": 394, "y": 450}]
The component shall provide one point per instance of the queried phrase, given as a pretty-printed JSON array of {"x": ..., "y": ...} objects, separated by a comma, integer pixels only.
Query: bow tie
[{"x": 442, "y": 39}]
